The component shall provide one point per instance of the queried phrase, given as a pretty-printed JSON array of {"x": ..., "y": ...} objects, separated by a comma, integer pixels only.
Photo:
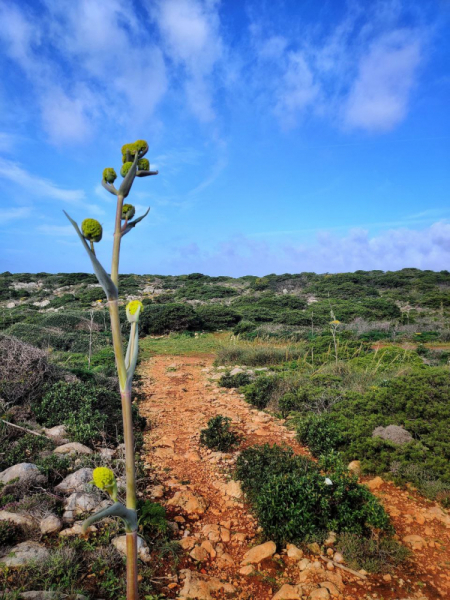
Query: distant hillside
[{"x": 376, "y": 304}]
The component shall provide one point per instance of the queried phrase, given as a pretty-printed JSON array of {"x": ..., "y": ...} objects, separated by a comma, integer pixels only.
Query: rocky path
[{"x": 216, "y": 528}]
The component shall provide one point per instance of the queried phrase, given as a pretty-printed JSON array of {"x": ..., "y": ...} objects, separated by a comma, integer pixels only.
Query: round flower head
[
  {"x": 141, "y": 147},
  {"x": 143, "y": 164},
  {"x": 109, "y": 175},
  {"x": 92, "y": 230},
  {"x": 128, "y": 211},
  {"x": 104, "y": 479},
  {"x": 133, "y": 310},
  {"x": 125, "y": 168}
]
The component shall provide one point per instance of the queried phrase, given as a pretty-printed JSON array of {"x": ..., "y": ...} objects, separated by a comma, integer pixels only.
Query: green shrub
[
  {"x": 262, "y": 390},
  {"x": 25, "y": 449},
  {"x": 374, "y": 555},
  {"x": 234, "y": 381},
  {"x": 10, "y": 533},
  {"x": 319, "y": 433},
  {"x": 256, "y": 356},
  {"x": 215, "y": 316},
  {"x": 157, "y": 319},
  {"x": 152, "y": 518},
  {"x": 55, "y": 467},
  {"x": 295, "y": 502},
  {"x": 244, "y": 327},
  {"x": 217, "y": 436},
  {"x": 90, "y": 411}
]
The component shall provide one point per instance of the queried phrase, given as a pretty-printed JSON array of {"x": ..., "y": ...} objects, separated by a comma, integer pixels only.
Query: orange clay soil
[{"x": 216, "y": 526}]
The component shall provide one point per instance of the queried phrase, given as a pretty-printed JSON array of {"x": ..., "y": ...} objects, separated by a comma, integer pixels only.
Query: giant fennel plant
[{"x": 134, "y": 165}]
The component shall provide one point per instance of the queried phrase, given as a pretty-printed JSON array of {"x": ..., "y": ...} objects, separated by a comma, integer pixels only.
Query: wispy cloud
[
  {"x": 37, "y": 186},
  {"x": 16, "y": 213},
  {"x": 428, "y": 248}
]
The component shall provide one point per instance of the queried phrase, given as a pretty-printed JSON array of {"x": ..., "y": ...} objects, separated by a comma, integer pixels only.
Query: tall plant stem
[{"x": 125, "y": 393}]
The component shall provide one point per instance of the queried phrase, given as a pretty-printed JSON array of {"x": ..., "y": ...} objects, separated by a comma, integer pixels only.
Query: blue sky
[{"x": 289, "y": 136}]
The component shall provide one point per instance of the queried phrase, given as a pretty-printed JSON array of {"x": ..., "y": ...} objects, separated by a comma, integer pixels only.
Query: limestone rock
[
  {"x": 57, "y": 433},
  {"x": 76, "y": 529},
  {"x": 191, "y": 503},
  {"x": 80, "y": 503},
  {"x": 375, "y": 483},
  {"x": 355, "y": 467},
  {"x": 225, "y": 560},
  {"x": 51, "y": 524},
  {"x": 209, "y": 548},
  {"x": 294, "y": 552},
  {"x": 187, "y": 543},
  {"x": 415, "y": 542},
  {"x": 157, "y": 491},
  {"x": 75, "y": 482},
  {"x": 393, "y": 433},
  {"x": 120, "y": 544},
  {"x": 232, "y": 489},
  {"x": 212, "y": 532},
  {"x": 107, "y": 453},
  {"x": 314, "y": 547},
  {"x": 288, "y": 592},
  {"x": 73, "y": 448},
  {"x": 258, "y": 553},
  {"x": 24, "y": 553},
  {"x": 247, "y": 570},
  {"x": 331, "y": 539},
  {"x": 200, "y": 588},
  {"x": 25, "y": 520},
  {"x": 319, "y": 594},
  {"x": 338, "y": 558},
  {"x": 25, "y": 472},
  {"x": 199, "y": 554}
]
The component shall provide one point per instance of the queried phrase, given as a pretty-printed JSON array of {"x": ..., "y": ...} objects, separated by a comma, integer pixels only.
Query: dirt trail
[{"x": 217, "y": 528}]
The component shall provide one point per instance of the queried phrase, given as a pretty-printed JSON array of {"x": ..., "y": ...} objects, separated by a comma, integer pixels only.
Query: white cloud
[
  {"x": 190, "y": 30},
  {"x": 37, "y": 186},
  {"x": 16, "y": 213},
  {"x": 378, "y": 99},
  {"x": 428, "y": 248}
]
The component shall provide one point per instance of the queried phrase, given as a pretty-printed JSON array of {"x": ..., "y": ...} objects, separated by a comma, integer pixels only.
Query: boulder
[
  {"x": 25, "y": 472},
  {"x": 120, "y": 544},
  {"x": 375, "y": 483},
  {"x": 232, "y": 489},
  {"x": 57, "y": 434},
  {"x": 80, "y": 503},
  {"x": 355, "y": 467},
  {"x": 193, "y": 504},
  {"x": 51, "y": 524},
  {"x": 76, "y": 529},
  {"x": 393, "y": 433},
  {"x": 288, "y": 592},
  {"x": 75, "y": 482},
  {"x": 199, "y": 554},
  {"x": 294, "y": 552},
  {"x": 73, "y": 448},
  {"x": 24, "y": 553},
  {"x": 258, "y": 553},
  {"x": 24, "y": 520},
  {"x": 200, "y": 588}
]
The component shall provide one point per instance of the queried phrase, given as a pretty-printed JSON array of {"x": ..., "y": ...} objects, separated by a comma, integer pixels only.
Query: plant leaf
[
  {"x": 102, "y": 276},
  {"x": 132, "y": 224}
]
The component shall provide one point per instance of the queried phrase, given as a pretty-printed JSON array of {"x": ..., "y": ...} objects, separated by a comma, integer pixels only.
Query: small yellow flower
[
  {"x": 335, "y": 322},
  {"x": 103, "y": 477},
  {"x": 418, "y": 334},
  {"x": 133, "y": 309}
]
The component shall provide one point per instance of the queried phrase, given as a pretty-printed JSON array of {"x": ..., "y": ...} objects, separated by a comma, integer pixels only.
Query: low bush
[
  {"x": 10, "y": 533},
  {"x": 263, "y": 390},
  {"x": 320, "y": 433},
  {"x": 91, "y": 412},
  {"x": 24, "y": 371},
  {"x": 25, "y": 449},
  {"x": 235, "y": 381},
  {"x": 152, "y": 518},
  {"x": 218, "y": 436},
  {"x": 257, "y": 356},
  {"x": 215, "y": 316},
  {"x": 157, "y": 319},
  {"x": 374, "y": 555},
  {"x": 295, "y": 502}
]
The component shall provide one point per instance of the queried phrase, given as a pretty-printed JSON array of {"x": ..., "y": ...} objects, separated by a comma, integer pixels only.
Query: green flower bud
[
  {"x": 143, "y": 164},
  {"x": 128, "y": 211},
  {"x": 109, "y": 175},
  {"x": 92, "y": 230},
  {"x": 125, "y": 168},
  {"x": 141, "y": 147}
]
